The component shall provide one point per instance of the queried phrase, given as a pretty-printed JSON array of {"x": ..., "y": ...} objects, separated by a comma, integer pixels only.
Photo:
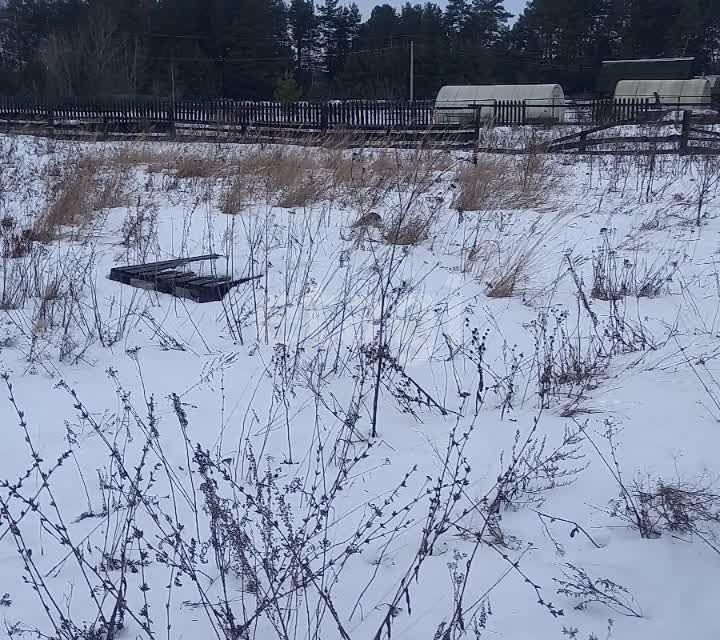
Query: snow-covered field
[{"x": 460, "y": 401}]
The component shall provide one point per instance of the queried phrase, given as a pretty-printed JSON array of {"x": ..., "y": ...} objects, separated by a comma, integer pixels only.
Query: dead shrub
[
  {"x": 586, "y": 590},
  {"x": 140, "y": 230},
  {"x": 21, "y": 244},
  {"x": 615, "y": 278},
  {"x": 568, "y": 363},
  {"x": 385, "y": 163},
  {"x": 682, "y": 506},
  {"x": 296, "y": 177},
  {"x": 16, "y": 243},
  {"x": 655, "y": 506},
  {"x": 343, "y": 168},
  {"x": 414, "y": 169},
  {"x": 50, "y": 291}
]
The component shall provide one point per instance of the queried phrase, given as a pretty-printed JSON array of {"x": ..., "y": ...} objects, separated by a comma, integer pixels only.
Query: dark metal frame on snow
[{"x": 165, "y": 277}]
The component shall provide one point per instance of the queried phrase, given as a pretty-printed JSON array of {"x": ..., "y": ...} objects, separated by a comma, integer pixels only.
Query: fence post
[
  {"x": 685, "y": 133},
  {"x": 50, "y": 118},
  {"x": 582, "y": 145},
  {"x": 171, "y": 115},
  {"x": 477, "y": 124},
  {"x": 324, "y": 116}
]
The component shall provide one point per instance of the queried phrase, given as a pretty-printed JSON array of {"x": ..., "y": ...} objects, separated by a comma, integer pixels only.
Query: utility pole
[
  {"x": 172, "y": 80},
  {"x": 412, "y": 71}
]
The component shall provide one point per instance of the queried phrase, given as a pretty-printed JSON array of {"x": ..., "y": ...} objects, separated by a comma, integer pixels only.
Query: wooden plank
[
  {"x": 594, "y": 142},
  {"x": 705, "y": 132}
]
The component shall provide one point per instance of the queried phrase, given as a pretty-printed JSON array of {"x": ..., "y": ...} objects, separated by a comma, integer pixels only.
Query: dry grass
[
  {"x": 516, "y": 261},
  {"x": 77, "y": 191},
  {"x": 407, "y": 231},
  {"x": 304, "y": 192},
  {"x": 295, "y": 177},
  {"x": 286, "y": 177},
  {"x": 500, "y": 183},
  {"x": 482, "y": 186},
  {"x": 365, "y": 181},
  {"x": 187, "y": 166},
  {"x": 151, "y": 157},
  {"x": 303, "y": 177},
  {"x": 236, "y": 193},
  {"x": 507, "y": 282},
  {"x": 159, "y": 158},
  {"x": 291, "y": 176},
  {"x": 513, "y": 275}
]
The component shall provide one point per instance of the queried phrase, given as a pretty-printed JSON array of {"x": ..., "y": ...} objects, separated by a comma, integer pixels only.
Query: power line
[
  {"x": 187, "y": 36},
  {"x": 226, "y": 60},
  {"x": 252, "y": 60},
  {"x": 354, "y": 51}
]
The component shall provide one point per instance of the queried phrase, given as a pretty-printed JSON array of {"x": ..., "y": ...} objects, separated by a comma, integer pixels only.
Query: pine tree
[
  {"x": 457, "y": 17},
  {"x": 487, "y": 22},
  {"x": 432, "y": 52},
  {"x": 377, "y": 69},
  {"x": 303, "y": 32},
  {"x": 246, "y": 47},
  {"x": 338, "y": 29}
]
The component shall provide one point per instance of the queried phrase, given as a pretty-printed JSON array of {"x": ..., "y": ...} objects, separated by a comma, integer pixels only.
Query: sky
[{"x": 513, "y": 6}]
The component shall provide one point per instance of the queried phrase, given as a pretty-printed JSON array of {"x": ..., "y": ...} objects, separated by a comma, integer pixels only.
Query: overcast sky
[{"x": 513, "y": 6}]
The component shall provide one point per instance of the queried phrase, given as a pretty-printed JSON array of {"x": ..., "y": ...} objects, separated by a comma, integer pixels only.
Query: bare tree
[{"x": 94, "y": 59}]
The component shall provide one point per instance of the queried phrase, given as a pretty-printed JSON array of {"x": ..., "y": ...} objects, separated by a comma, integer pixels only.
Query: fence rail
[
  {"x": 376, "y": 115},
  {"x": 691, "y": 139}
]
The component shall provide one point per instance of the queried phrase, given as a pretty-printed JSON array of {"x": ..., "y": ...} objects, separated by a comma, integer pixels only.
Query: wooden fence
[
  {"x": 371, "y": 115},
  {"x": 509, "y": 112},
  {"x": 651, "y": 140},
  {"x": 357, "y": 114},
  {"x": 625, "y": 109}
]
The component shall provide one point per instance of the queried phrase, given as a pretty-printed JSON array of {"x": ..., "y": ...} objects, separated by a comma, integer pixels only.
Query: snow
[{"x": 271, "y": 379}]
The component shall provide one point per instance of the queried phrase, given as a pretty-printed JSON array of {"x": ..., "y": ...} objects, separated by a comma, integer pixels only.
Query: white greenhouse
[
  {"x": 456, "y": 104},
  {"x": 714, "y": 86},
  {"x": 668, "y": 92}
]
